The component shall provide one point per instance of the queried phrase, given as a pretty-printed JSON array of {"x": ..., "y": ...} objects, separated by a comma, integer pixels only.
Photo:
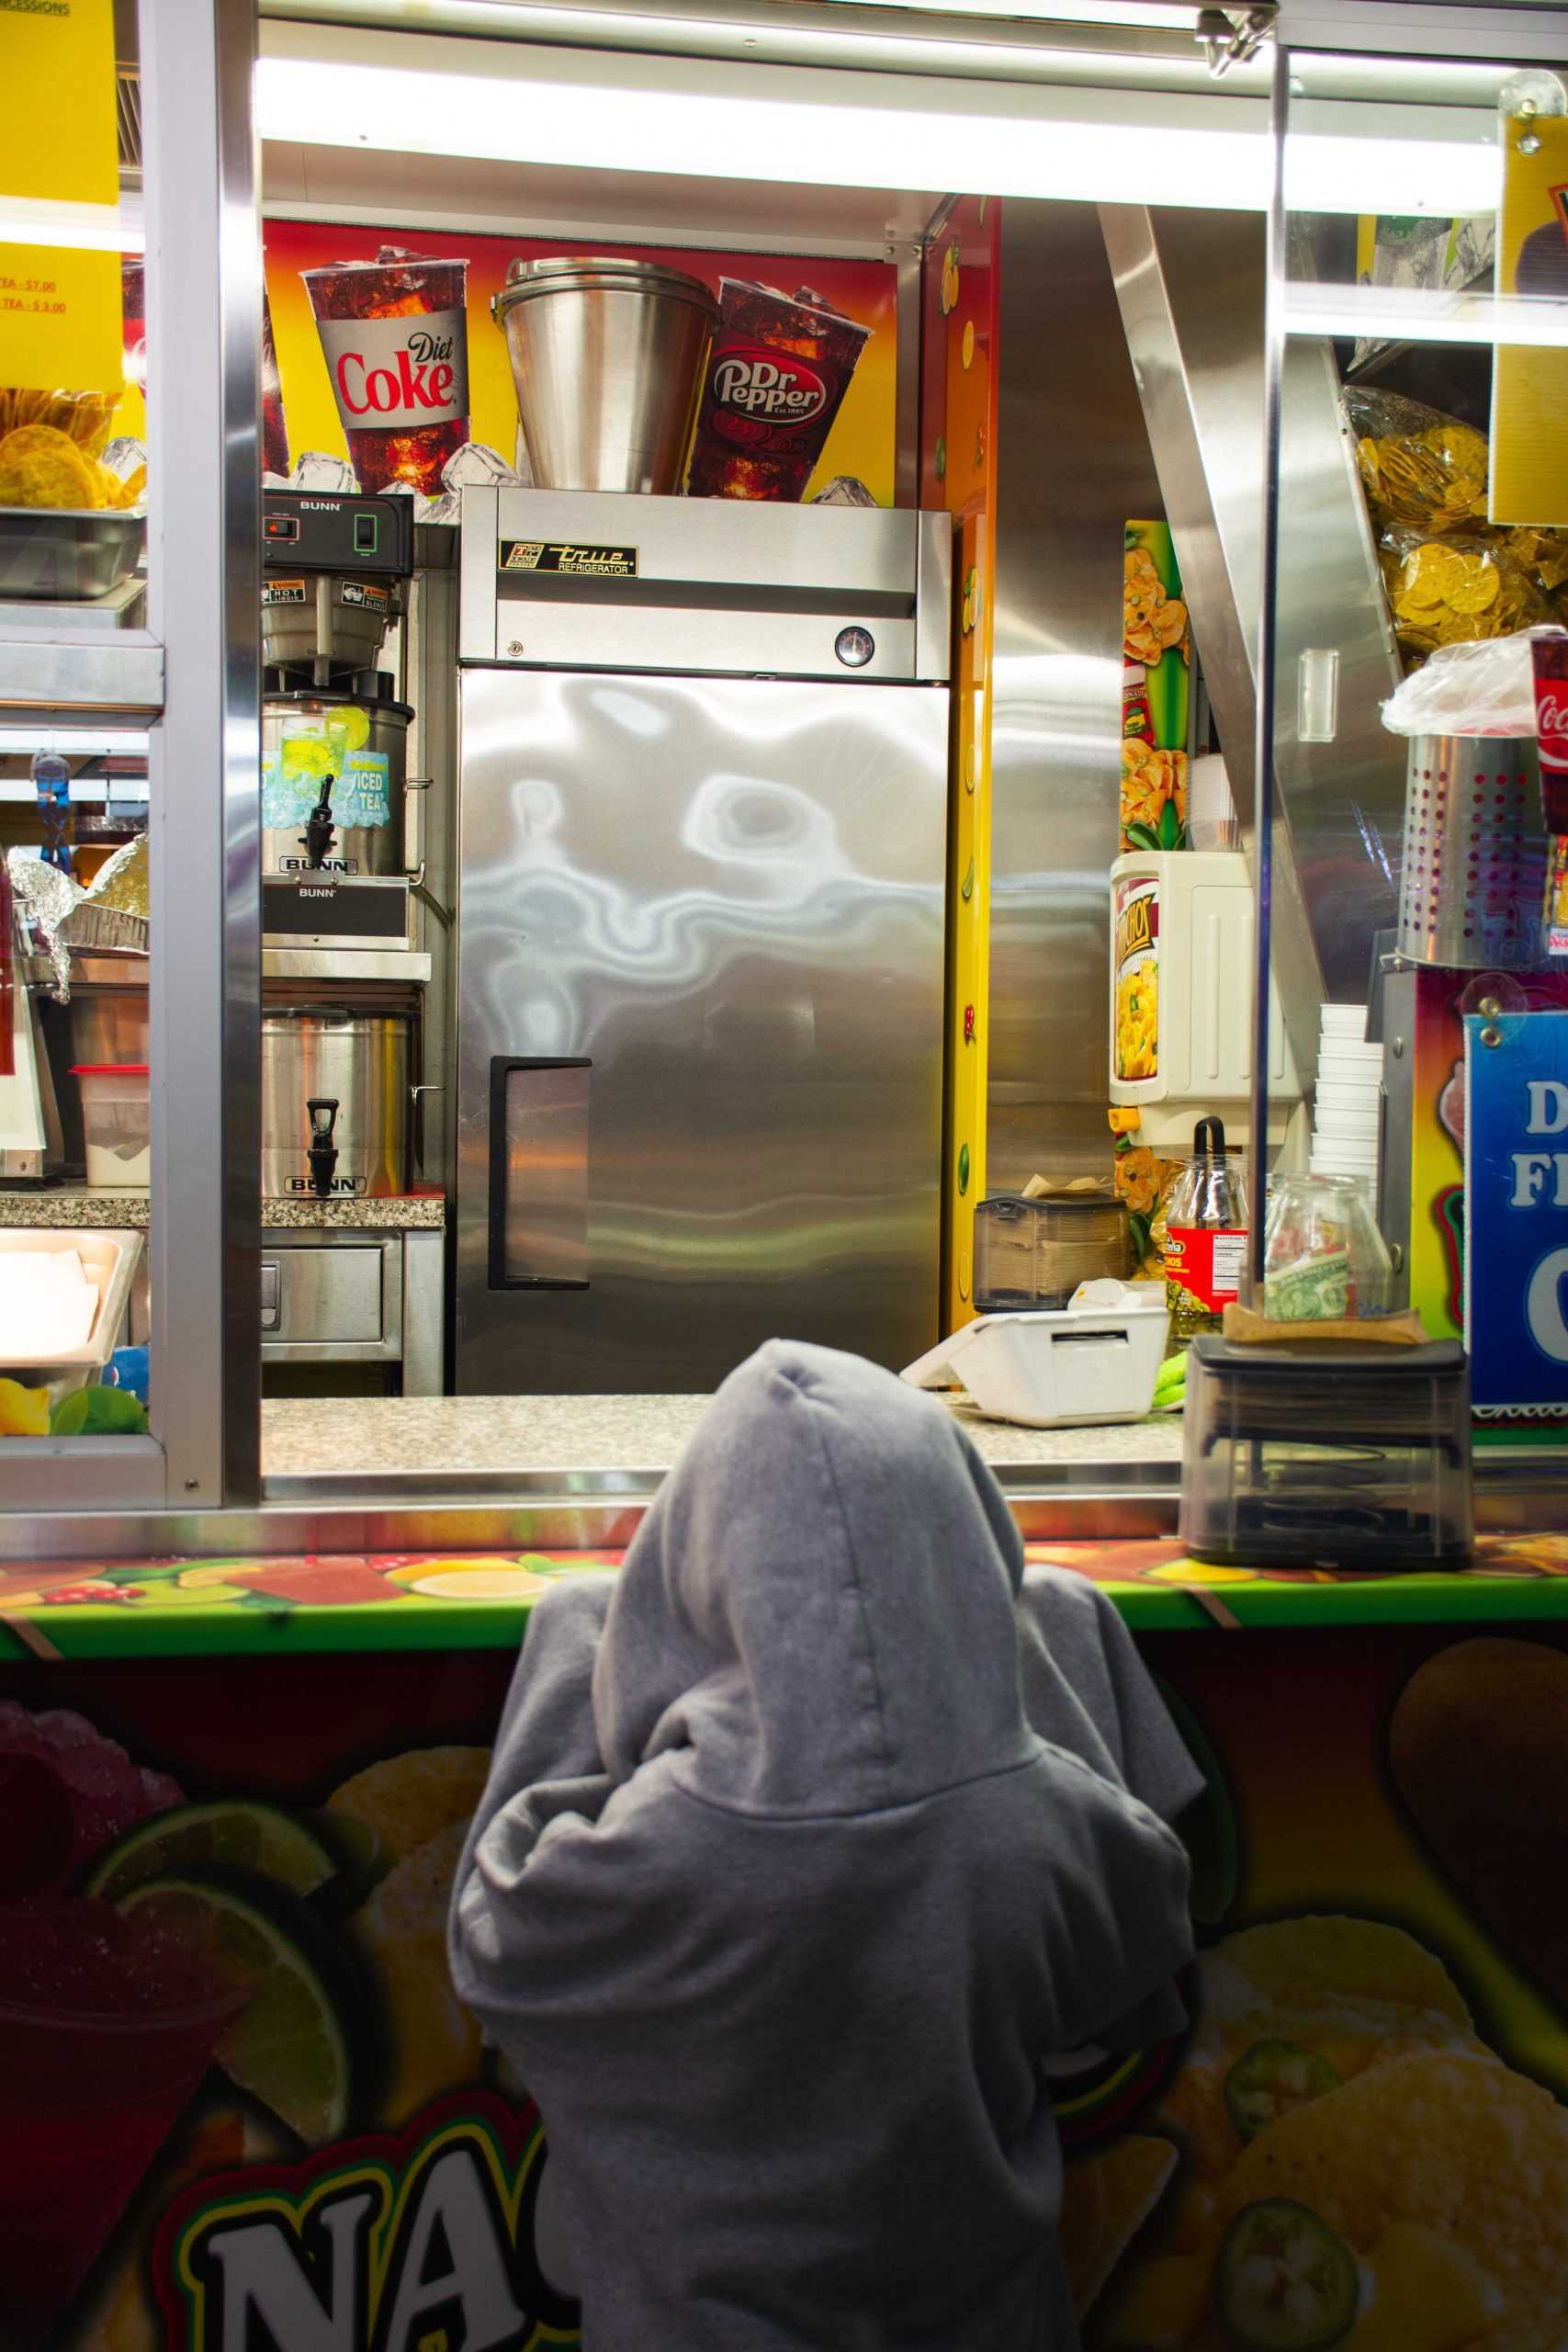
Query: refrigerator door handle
[{"x": 539, "y": 1173}]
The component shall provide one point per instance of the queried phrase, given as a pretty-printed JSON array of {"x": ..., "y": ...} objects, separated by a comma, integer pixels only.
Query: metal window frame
[
  {"x": 1530, "y": 32},
  {"x": 192, "y": 677}
]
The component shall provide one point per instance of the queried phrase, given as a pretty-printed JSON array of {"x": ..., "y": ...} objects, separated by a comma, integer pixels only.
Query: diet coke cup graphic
[
  {"x": 395, "y": 337},
  {"x": 275, "y": 432},
  {"x": 776, "y": 379}
]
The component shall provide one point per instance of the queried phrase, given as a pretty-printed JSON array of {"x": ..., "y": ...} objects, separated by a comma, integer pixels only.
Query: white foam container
[
  {"x": 1093, "y": 1362},
  {"x": 1334, "y": 1160},
  {"x": 1353, "y": 1125},
  {"x": 1343, "y": 1095},
  {"x": 108, "y": 1256},
  {"x": 1344, "y": 1020}
]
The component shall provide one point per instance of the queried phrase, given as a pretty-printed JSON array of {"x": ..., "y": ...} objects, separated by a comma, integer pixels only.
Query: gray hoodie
[{"x": 794, "y": 1868}]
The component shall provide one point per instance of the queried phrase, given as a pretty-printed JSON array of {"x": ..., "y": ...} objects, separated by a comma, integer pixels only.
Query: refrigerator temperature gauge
[{"x": 855, "y": 647}]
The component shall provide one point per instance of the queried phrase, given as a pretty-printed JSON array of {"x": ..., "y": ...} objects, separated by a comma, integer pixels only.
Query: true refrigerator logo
[
  {"x": 577, "y": 559},
  {"x": 387, "y": 2246}
]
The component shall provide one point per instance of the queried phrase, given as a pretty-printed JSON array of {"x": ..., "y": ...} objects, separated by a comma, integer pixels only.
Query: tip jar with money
[{"x": 1324, "y": 1258}]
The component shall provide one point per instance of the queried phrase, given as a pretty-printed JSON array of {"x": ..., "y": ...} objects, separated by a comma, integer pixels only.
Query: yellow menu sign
[
  {"x": 59, "y": 315},
  {"x": 1529, "y": 403}
]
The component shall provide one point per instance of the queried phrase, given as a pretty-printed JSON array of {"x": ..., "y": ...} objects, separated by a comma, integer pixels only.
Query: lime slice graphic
[
  {"x": 349, "y": 726},
  {"x": 292, "y": 2045},
  {"x": 251, "y": 1836},
  {"x": 308, "y": 756}
]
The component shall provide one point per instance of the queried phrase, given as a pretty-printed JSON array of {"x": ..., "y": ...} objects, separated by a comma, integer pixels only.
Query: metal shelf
[
  {"x": 362, "y": 963},
  {"x": 119, "y": 673}
]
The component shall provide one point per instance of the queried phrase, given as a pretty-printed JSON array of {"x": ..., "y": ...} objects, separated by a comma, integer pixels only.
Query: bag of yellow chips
[
  {"x": 1456, "y": 591},
  {"x": 83, "y": 417},
  {"x": 51, "y": 444},
  {"x": 1421, "y": 471}
]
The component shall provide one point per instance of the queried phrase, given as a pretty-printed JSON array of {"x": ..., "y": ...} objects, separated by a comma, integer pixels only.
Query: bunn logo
[
  {"x": 422, "y": 2243},
  {"x": 758, "y": 383}
]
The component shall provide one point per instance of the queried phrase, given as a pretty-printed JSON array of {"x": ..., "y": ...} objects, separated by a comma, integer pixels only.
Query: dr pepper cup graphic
[
  {"x": 395, "y": 337},
  {"x": 777, "y": 378}
]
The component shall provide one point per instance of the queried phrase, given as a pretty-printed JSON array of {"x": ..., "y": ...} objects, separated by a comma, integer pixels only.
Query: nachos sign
[{"x": 427, "y": 2242}]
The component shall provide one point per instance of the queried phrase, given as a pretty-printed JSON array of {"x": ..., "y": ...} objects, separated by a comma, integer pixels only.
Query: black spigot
[
  {"x": 316, "y": 840},
  {"x": 323, "y": 1153}
]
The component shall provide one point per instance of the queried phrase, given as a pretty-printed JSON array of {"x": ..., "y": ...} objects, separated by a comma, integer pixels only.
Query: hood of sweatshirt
[{"x": 817, "y": 1613}]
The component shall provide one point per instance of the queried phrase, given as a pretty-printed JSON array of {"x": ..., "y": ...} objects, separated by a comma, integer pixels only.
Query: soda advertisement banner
[
  {"x": 244, "y": 2112},
  {"x": 387, "y": 364},
  {"x": 1516, "y": 1216}
]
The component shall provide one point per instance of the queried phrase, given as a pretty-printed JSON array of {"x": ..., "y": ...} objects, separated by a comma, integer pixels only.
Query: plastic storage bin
[
  {"x": 1034, "y": 1253},
  {"x": 1096, "y": 1362},
  {"x": 116, "y": 1122},
  {"x": 109, "y": 1258},
  {"x": 1336, "y": 1457}
]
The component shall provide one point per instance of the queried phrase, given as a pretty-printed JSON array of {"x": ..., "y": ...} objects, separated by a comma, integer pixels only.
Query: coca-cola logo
[
  {"x": 1550, "y": 712},
  {"x": 423, "y": 378},
  {"x": 761, "y": 384},
  {"x": 398, "y": 373}
]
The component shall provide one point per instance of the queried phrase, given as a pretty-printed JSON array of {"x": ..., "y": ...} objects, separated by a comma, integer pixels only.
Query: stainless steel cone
[{"x": 607, "y": 359}]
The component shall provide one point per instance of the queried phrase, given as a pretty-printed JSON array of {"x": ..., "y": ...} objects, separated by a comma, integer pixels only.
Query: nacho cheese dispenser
[{"x": 1182, "y": 959}]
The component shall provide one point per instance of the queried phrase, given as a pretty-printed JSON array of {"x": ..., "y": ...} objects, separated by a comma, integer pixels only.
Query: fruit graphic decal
[{"x": 230, "y": 1974}]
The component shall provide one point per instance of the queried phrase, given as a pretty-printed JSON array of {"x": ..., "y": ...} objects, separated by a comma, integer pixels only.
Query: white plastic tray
[
  {"x": 1094, "y": 1361},
  {"x": 108, "y": 1255}
]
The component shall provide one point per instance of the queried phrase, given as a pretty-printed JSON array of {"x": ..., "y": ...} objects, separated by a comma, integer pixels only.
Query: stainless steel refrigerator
[{"x": 702, "y": 828}]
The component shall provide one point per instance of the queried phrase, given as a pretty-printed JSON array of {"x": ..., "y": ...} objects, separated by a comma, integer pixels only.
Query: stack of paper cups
[{"x": 1349, "y": 1078}]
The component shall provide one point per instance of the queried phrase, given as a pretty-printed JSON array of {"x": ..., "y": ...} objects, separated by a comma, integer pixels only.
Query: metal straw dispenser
[{"x": 1475, "y": 865}]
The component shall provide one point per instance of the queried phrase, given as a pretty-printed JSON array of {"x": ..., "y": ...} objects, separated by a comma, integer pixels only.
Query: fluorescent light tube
[
  {"x": 1423, "y": 314},
  {"x": 825, "y": 127}
]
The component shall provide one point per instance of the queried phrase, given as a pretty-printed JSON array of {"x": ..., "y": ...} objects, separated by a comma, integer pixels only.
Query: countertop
[
  {"x": 279, "y": 1605},
  {"x": 418, "y": 1439},
  {"x": 66, "y": 1204}
]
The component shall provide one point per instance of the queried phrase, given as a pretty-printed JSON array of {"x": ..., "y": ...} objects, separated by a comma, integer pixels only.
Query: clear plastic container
[
  {"x": 116, "y": 1124},
  {"x": 1324, "y": 1257},
  {"x": 1337, "y": 1458},
  {"x": 1033, "y": 1253}
]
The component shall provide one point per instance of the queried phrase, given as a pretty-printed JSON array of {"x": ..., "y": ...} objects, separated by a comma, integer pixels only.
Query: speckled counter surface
[
  {"x": 451, "y": 1438},
  {"x": 412, "y": 1212},
  {"x": 65, "y": 1206},
  {"x": 60, "y": 1208}
]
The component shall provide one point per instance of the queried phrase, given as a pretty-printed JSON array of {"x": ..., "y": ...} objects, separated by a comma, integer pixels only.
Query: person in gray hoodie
[{"x": 805, "y": 1845}]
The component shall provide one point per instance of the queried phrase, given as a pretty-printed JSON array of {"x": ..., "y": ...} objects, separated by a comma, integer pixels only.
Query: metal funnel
[{"x": 607, "y": 359}]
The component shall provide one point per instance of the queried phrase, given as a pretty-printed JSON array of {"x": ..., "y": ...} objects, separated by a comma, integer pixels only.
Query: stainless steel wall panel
[
  {"x": 1191, "y": 286},
  {"x": 1073, "y": 465},
  {"x": 726, "y": 895}
]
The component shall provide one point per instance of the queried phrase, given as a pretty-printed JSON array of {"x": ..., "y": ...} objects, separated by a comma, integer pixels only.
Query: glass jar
[{"x": 1323, "y": 1258}]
